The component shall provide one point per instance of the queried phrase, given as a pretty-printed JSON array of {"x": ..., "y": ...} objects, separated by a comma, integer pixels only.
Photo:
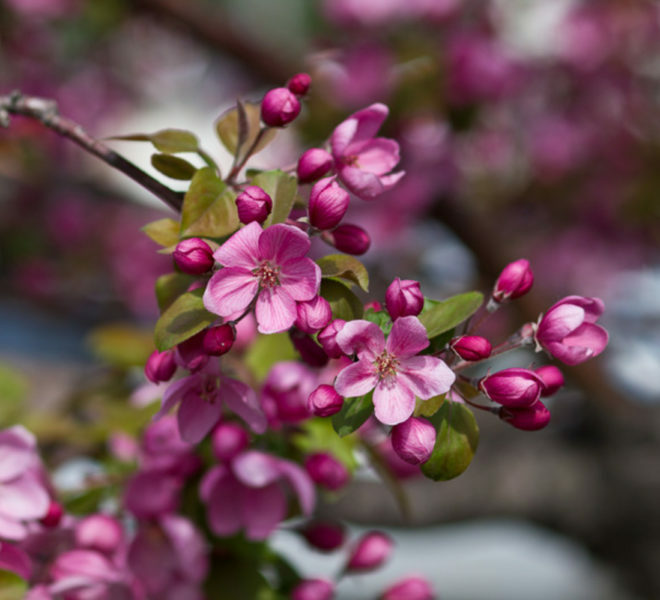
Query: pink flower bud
[
  {"x": 191, "y": 352},
  {"x": 403, "y": 298},
  {"x": 253, "y": 204},
  {"x": 324, "y": 401},
  {"x": 193, "y": 256},
  {"x": 348, "y": 238},
  {"x": 99, "y": 532},
  {"x": 410, "y": 588},
  {"x": 279, "y": 107},
  {"x": 552, "y": 378},
  {"x": 314, "y": 163},
  {"x": 471, "y": 347},
  {"x": 513, "y": 387},
  {"x": 53, "y": 516},
  {"x": 413, "y": 440},
  {"x": 514, "y": 281},
  {"x": 370, "y": 552},
  {"x": 328, "y": 338},
  {"x": 530, "y": 418},
  {"x": 227, "y": 440},
  {"x": 299, "y": 84},
  {"x": 313, "y": 314},
  {"x": 327, "y": 204},
  {"x": 160, "y": 366},
  {"x": 218, "y": 340},
  {"x": 310, "y": 352},
  {"x": 324, "y": 536},
  {"x": 326, "y": 471},
  {"x": 373, "y": 304},
  {"x": 313, "y": 589}
]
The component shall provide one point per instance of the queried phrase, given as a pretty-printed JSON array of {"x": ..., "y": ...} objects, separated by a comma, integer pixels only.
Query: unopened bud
[
  {"x": 299, "y": 84},
  {"x": 370, "y": 552},
  {"x": 193, "y": 256},
  {"x": 514, "y": 281},
  {"x": 348, "y": 238},
  {"x": 313, "y": 589},
  {"x": 530, "y": 418},
  {"x": 99, "y": 532},
  {"x": 324, "y": 536},
  {"x": 160, "y": 366},
  {"x": 311, "y": 353},
  {"x": 313, "y": 314},
  {"x": 227, "y": 440},
  {"x": 413, "y": 440},
  {"x": 279, "y": 107},
  {"x": 410, "y": 588},
  {"x": 54, "y": 515},
  {"x": 253, "y": 204},
  {"x": 325, "y": 470},
  {"x": 218, "y": 340},
  {"x": 328, "y": 338},
  {"x": 313, "y": 164},
  {"x": 472, "y": 347},
  {"x": 324, "y": 401},
  {"x": 191, "y": 353},
  {"x": 404, "y": 298},
  {"x": 327, "y": 204},
  {"x": 513, "y": 388},
  {"x": 552, "y": 378}
]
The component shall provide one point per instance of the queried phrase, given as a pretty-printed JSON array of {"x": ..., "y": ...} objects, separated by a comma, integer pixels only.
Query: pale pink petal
[
  {"x": 241, "y": 249},
  {"x": 363, "y": 184},
  {"x": 426, "y": 376},
  {"x": 24, "y": 498},
  {"x": 585, "y": 342},
  {"x": 559, "y": 322},
  {"x": 242, "y": 400},
  {"x": 389, "y": 181},
  {"x": 361, "y": 125},
  {"x": 394, "y": 401},
  {"x": 407, "y": 338},
  {"x": 301, "y": 483},
  {"x": 281, "y": 243},
  {"x": 262, "y": 510},
  {"x": 593, "y": 307},
  {"x": 300, "y": 278},
  {"x": 84, "y": 563},
  {"x": 363, "y": 338},
  {"x": 15, "y": 560},
  {"x": 255, "y": 469},
  {"x": 197, "y": 416},
  {"x": 378, "y": 155},
  {"x": 17, "y": 451},
  {"x": 11, "y": 529},
  {"x": 275, "y": 310},
  {"x": 224, "y": 509},
  {"x": 230, "y": 290},
  {"x": 356, "y": 379},
  {"x": 342, "y": 136}
]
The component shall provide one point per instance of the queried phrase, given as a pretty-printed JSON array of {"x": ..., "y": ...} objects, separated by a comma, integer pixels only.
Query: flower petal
[
  {"x": 24, "y": 498},
  {"x": 301, "y": 484},
  {"x": 426, "y": 376},
  {"x": 197, "y": 416},
  {"x": 263, "y": 509},
  {"x": 241, "y": 249},
  {"x": 230, "y": 290},
  {"x": 255, "y": 469},
  {"x": 242, "y": 400},
  {"x": 394, "y": 401},
  {"x": 356, "y": 380},
  {"x": 17, "y": 451},
  {"x": 363, "y": 338},
  {"x": 175, "y": 392},
  {"x": 378, "y": 155},
  {"x": 583, "y": 343},
  {"x": 275, "y": 310},
  {"x": 300, "y": 278},
  {"x": 407, "y": 338},
  {"x": 11, "y": 529},
  {"x": 224, "y": 508},
  {"x": 593, "y": 307},
  {"x": 558, "y": 322},
  {"x": 363, "y": 184},
  {"x": 15, "y": 560},
  {"x": 280, "y": 243},
  {"x": 361, "y": 125}
]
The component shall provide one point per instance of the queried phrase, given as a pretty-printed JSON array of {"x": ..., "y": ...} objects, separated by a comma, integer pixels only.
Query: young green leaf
[
  {"x": 238, "y": 129},
  {"x": 345, "y": 267},
  {"x": 282, "y": 188},
  {"x": 185, "y": 317},
  {"x": 170, "y": 286},
  {"x": 344, "y": 303},
  {"x": 353, "y": 414},
  {"x": 173, "y": 166},
  {"x": 168, "y": 141},
  {"x": 164, "y": 232},
  {"x": 439, "y": 317}
]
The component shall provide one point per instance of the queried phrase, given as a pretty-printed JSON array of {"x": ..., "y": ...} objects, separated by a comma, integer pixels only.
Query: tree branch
[{"x": 45, "y": 111}]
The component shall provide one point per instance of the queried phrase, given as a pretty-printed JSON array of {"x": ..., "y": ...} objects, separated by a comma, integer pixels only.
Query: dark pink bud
[
  {"x": 313, "y": 163},
  {"x": 193, "y": 256},
  {"x": 370, "y": 552},
  {"x": 324, "y": 536},
  {"x": 326, "y": 471},
  {"x": 348, "y": 238},
  {"x": 160, "y": 366},
  {"x": 218, "y": 340},
  {"x": 410, "y": 588},
  {"x": 513, "y": 387},
  {"x": 53, "y": 516},
  {"x": 299, "y": 84},
  {"x": 328, "y": 338},
  {"x": 324, "y": 401},
  {"x": 471, "y": 347},
  {"x": 313, "y": 589},
  {"x": 530, "y": 418},
  {"x": 403, "y": 298},
  {"x": 552, "y": 378},
  {"x": 413, "y": 440},
  {"x": 327, "y": 204},
  {"x": 99, "y": 532},
  {"x": 253, "y": 204},
  {"x": 313, "y": 314},
  {"x": 311, "y": 353},
  {"x": 191, "y": 352},
  {"x": 373, "y": 304},
  {"x": 514, "y": 281},
  {"x": 279, "y": 107},
  {"x": 227, "y": 440}
]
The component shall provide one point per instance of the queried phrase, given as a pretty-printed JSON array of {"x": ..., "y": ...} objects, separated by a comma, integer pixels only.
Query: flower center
[
  {"x": 386, "y": 365},
  {"x": 351, "y": 160},
  {"x": 267, "y": 275},
  {"x": 209, "y": 389}
]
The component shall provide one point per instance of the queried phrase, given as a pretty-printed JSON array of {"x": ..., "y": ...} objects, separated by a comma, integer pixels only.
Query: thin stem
[
  {"x": 206, "y": 157},
  {"x": 238, "y": 165}
]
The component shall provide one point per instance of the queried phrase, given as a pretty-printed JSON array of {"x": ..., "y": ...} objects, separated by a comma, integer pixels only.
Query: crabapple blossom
[
  {"x": 324, "y": 401},
  {"x": 328, "y": 204},
  {"x": 160, "y": 366},
  {"x": 370, "y": 551},
  {"x": 193, "y": 256},
  {"x": 313, "y": 589},
  {"x": 253, "y": 204},
  {"x": 404, "y": 298},
  {"x": 218, "y": 340},
  {"x": 514, "y": 281},
  {"x": 514, "y": 388},
  {"x": 227, "y": 440},
  {"x": 313, "y": 164},
  {"x": 413, "y": 440},
  {"x": 313, "y": 314},
  {"x": 472, "y": 347},
  {"x": 279, "y": 107},
  {"x": 299, "y": 84},
  {"x": 328, "y": 338}
]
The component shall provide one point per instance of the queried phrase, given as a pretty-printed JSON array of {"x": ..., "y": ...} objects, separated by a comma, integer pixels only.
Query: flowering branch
[{"x": 45, "y": 111}]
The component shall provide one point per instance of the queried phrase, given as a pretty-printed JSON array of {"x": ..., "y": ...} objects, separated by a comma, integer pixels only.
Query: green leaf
[
  {"x": 267, "y": 350},
  {"x": 353, "y": 414},
  {"x": 345, "y": 267},
  {"x": 164, "y": 232},
  {"x": 344, "y": 303},
  {"x": 209, "y": 209},
  {"x": 85, "y": 502},
  {"x": 12, "y": 586},
  {"x": 282, "y": 188},
  {"x": 173, "y": 166},
  {"x": 318, "y": 435},
  {"x": 121, "y": 345},
  {"x": 456, "y": 442},
  {"x": 13, "y": 393},
  {"x": 169, "y": 141},
  {"x": 237, "y": 134},
  {"x": 380, "y": 318},
  {"x": 442, "y": 316},
  {"x": 184, "y": 318},
  {"x": 427, "y": 408},
  {"x": 170, "y": 286}
]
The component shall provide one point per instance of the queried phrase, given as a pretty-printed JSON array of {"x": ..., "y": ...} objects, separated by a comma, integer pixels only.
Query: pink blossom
[
  {"x": 410, "y": 588},
  {"x": 414, "y": 440},
  {"x": 14, "y": 559},
  {"x": 370, "y": 551},
  {"x": 247, "y": 494},
  {"x": 267, "y": 264},
  {"x": 362, "y": 160},
  {"x": 286, "y": 391},
  {"x": 313, "y": 589},
  {"x": 392, "y": 369}
]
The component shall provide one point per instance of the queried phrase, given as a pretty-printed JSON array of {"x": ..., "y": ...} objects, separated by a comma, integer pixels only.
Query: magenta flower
[
  {"x": 568, "y": 330},
  {"x": 267, "y": 264},
  {"x": 247, "y": 494},
  {"x": 362, "y": 160},
  {"x": 392, "y": 369}
]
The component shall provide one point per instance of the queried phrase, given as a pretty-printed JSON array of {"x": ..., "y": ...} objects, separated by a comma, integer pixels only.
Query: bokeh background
[{"x": 528, "y": 129}]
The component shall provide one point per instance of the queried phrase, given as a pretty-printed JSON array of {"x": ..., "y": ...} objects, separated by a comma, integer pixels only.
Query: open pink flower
[
  {"x": 362, "y": 160},
  {"x": 268, "y": 264},
  {"x": 392, "y": 369}
]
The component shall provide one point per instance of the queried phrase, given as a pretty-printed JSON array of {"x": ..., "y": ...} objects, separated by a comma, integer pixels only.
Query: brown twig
[{"x": 45, "y": 111}]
